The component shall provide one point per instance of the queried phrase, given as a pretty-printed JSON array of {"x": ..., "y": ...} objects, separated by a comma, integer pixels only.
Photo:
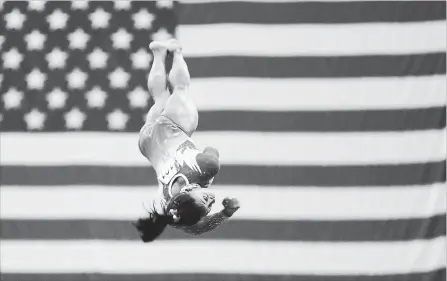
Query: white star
[
  {"x": 141, "y": 59},
  {"x": 56, "y": 99},
  {"x": 74, "y": 119},
  {"x": 122, "y": 5},
  {"x": 76, "y": 79},
  {"x": 14, "y": 19},
  {"x": 34, "y": 119},
  {"x": 56, "y": 59},
  {"x": 121, "y": 39},
  {"x": 143, "y": 19},
  {"x": 117, "y": 120},
  {"x": 78, "y": 39},
  {"x": 36, "y": 79},
  {"x": 99, "y": 18},
  {"x": 79, "y": 4},
  {"x": 138, "y": 98},
  {"x": 35, "y": 40},
  {"x": 12, "y": 98},
  {"x": 12, "y": 59},
  {"x": 98, "y": 58},
  {"x": 167, "y": 4},
  {"x": 36, "y": 5},
  {"x": 161, "y": 35},
  {"x": 118, "y": 78},
  {"x": 96, "y": 97},
  {"x": 57, "y": 20}
]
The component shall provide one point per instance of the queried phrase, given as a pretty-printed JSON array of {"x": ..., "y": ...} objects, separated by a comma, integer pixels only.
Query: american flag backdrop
[{"x": 329, "y": 117}]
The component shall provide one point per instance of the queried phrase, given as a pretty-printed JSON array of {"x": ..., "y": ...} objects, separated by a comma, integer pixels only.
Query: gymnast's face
[
  {"x": 204, "y": 197},
  {"x": 199, "y": 194}
]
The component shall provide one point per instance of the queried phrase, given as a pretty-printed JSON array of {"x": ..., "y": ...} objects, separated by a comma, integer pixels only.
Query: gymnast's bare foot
[
  {"x": 159, "y": 46},
  {"x": 174, "y": 45}
]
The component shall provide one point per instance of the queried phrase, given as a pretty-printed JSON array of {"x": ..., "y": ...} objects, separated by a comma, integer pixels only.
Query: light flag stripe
[
  {"x": 250, "y": 94},
  {"x": 244, "y": 257},
  {"x": 266, "y": 203},
  {"x": 231, "y": 39},
  {"x": 235, "y": 148}
]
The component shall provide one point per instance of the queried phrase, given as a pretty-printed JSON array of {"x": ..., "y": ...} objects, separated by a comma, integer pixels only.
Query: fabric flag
[{"x": 329, "y": 117}]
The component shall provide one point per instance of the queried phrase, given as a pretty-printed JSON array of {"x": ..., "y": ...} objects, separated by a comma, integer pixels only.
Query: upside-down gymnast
[{"x": 183, "y": 171}]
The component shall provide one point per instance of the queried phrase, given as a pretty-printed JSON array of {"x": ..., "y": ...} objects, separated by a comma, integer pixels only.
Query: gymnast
[{"x": 184, "y": 173}]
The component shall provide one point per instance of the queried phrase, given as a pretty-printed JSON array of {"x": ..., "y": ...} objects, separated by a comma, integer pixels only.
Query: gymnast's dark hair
[{"x": 188, "y": 210}]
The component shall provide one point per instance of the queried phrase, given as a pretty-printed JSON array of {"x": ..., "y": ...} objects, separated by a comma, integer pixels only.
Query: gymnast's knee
[
  {"x": 179, "y": 79},
  {"x": 182, "y": 111}
]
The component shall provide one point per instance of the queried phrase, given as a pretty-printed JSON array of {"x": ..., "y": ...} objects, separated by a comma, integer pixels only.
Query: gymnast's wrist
[{"x": 227, "y": 212}]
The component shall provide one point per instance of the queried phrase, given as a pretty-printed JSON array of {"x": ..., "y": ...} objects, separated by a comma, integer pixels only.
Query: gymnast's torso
[{"x": 172, "y": 153}]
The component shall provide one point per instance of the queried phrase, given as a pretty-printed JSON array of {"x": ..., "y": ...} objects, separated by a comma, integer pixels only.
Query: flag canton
[{"x": 78, "y": 65}]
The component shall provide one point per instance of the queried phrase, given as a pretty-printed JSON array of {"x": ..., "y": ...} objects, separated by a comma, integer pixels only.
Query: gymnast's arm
[{"x": 211, "y": 222}]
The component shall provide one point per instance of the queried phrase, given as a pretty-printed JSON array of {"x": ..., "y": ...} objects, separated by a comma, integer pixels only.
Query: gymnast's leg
[
  {"x": 156, "y": 84},
  {"x": 180, "y": 107}
]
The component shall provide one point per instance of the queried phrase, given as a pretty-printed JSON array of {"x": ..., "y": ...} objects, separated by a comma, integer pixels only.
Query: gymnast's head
[
  {"x": 189, "y": 203},
  {"x": 185, "y": 208},
  {"x": 188, "y": 208}
]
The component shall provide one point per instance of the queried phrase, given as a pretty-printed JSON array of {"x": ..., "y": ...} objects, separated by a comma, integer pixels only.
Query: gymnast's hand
[{"x": 231, "y": 205}]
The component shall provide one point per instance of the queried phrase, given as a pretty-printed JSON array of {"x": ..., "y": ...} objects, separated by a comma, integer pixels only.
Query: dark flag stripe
[
  {"x": 374, "y": 175},
  {"x": 336, "y": 231},
  {"x": 435, "y": 275},
  {"x": 283, "y": 121},
  {"x": 308, "y": 67},
  {"x": 311, "y": 12},
  {"x": 276, "y": 121},
  {"x": 328, "y": 121}
]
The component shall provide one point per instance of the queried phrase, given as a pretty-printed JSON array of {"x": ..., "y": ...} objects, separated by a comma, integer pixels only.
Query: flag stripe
[
  {"x": 387, "y": 230},
  {"x": 89, "y": 256},
  {"x": 253, "y": 94},
  {"x": 258, "y": 203},
  {"x": 274, "y": 12},
  {"x": 317, "y": 67},
  {"x": 380, "y": 175},
  {"x": 436, "y": 275},
  {"x": 289, "y": 121},
  {"x": 286, "y": 121},
  {"x": 312, "y": 40},
  {"x": 292, "y": 148},
  {"x": 328, "y": 121}
]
